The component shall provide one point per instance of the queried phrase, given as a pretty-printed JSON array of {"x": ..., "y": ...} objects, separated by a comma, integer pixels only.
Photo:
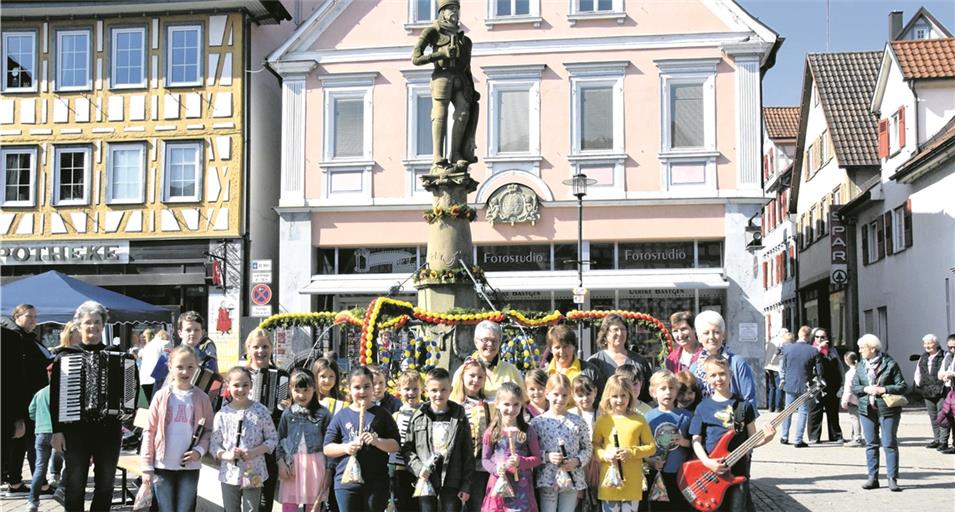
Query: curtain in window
[
  {"x": 423, "y": 126},
  {"x": 514, "y": 134},
  {"x": 349, "y": 128},
  {"x": 686, "y": 109},
  {"x": 596, "y": 114}
]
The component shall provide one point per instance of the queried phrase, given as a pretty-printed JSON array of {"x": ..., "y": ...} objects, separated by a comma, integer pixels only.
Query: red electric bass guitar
[{"x": 703, "y": 488}]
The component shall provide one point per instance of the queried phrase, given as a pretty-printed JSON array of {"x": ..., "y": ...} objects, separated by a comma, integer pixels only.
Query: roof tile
[
  {"x": 845, "y": 82},
  {"x": 926, "y": 58},
  {"x": 781, "y": 122}
]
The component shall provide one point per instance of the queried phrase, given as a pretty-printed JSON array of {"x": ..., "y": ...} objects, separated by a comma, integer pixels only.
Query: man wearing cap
[{"x": 451, "y": 82}]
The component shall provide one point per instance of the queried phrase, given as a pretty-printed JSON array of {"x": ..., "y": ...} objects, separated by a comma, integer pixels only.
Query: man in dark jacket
[
  {"x": 438, "y": 446},
  {"x": 24, "y": 361},
  {"x": 797, "y": 367}
]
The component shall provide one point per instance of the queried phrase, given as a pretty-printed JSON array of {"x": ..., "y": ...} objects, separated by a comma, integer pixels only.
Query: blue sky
[{"x": 854, "y": 25}]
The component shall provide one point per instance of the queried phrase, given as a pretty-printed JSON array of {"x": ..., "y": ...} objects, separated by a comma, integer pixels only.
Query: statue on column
[{"x": 451, "y": 83}]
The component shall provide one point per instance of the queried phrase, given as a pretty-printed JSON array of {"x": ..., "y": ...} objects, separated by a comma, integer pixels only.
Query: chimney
[{"x": 895, "y": 24}]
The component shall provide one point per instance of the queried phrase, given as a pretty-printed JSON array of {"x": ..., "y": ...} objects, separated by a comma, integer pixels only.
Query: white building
[
  {"x": 904, "y": 221},
  {"x": 778, "y": 255}
]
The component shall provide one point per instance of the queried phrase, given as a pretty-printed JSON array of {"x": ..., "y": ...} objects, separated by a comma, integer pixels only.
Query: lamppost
[{"x": 578, "y": 185}]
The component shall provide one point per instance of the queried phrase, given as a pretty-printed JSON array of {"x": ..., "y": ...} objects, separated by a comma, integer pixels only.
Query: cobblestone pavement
[{"x": 824, "y": 477}]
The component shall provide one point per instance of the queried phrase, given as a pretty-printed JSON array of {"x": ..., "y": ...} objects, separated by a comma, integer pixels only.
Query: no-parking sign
[{"x": 261, "y": 294}]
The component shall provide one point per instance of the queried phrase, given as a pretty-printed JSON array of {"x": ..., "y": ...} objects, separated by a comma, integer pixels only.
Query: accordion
[
  {"x": 89, "y": 386},
  {"x": 209, "y": 382},
  {"x": 270, "y": 387}
]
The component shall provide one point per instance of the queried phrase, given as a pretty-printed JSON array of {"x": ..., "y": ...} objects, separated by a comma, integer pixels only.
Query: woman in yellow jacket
[{"x": 622, "y": 439}]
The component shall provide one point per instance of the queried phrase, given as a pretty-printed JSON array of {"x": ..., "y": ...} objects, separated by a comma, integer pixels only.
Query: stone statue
[{"x": 452, "y": 83}]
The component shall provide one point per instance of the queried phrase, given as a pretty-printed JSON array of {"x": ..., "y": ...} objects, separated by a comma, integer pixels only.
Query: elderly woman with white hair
[
  {"x": 487, "y": 345},
  {"x": 878, "y": 382},
  {"x": 93, "y": 437},
  {"x": 711, "y": 332},
  {"x": 932, "y": 388}
]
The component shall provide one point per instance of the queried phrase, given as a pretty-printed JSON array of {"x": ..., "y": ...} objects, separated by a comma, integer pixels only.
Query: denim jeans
[
  {"x": 446, "y": 501},
  {"x": 238, "y": 499},
  {"x": 367, "y": 498},
  {"x": 43, "y": 451},
  {"x": 801, "y": 415},
  {"x": 772, "y": 389},
  {"x": 553, "y": 501},
  {"x": 101, "y": 442},
  {"x": 175, "y": 490},
  {"x": 872, "y": 424}
]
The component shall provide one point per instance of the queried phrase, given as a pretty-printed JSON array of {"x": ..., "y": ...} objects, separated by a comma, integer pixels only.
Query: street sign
[
  {"x": 260, "y": 311},
  {"x": 580, "y": 295},
  {"x": 262, "y": 277},
  {"x": 261, "y": 295},
  {"x": 261, "y": 265}
]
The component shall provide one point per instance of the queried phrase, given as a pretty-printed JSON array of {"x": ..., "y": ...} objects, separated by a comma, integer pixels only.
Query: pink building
[{"x": 658, "y": 101}]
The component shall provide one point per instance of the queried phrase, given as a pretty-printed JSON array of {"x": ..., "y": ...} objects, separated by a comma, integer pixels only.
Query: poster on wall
[{"x": 223, "y": 314}]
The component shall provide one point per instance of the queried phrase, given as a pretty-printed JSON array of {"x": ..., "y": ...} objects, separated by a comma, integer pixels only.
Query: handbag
[{"x": 895, "y": 400}]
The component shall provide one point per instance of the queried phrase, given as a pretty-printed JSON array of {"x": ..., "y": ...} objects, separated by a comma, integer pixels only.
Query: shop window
[
  {"x": 19, "y": 176},
  {"x": 19, "y": 61},
  {"x": 381, "y": 260},
  {"x": 326, "y": 261},
  {"x": 709, "y": 254},
  {"x": 509, "y": 258},
  {"x": 601, "y": 256},
  {"x": 565, "y": 257},
  {"x": 655, "y": 255}
]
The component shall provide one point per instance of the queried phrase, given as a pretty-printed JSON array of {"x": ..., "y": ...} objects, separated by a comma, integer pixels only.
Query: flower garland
[
  {"x": 547, "y": 320},
  {"x": 522, "y": 352},
  {"x": 422, "y": 354},
  {"x": 448, "y": 275},
  {"x": 455, "y": 211},
  {"x": 429, "y": 317},
  {"x": 366, "y": 351}
]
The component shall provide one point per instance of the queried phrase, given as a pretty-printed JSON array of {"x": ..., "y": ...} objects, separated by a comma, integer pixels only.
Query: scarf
[
  {"x": 449, "y": 29},
  {"x": 822, "y": 350},
  {"x": 871, "y": 372}
]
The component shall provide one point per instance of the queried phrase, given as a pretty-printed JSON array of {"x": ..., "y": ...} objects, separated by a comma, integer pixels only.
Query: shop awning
[{"x": 687, "y": 279}]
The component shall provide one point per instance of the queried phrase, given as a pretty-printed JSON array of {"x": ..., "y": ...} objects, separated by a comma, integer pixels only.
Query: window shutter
[
  {"x": 880, "y": 237},
  {"x": 908, "y": 222},
  {"x": 889, "y": 249},
  {"x": 765, "y": 269},
  {"x": 883, "y": 138},
  {"x": 865, "y": 244},
  {"x": 902, "y": 126}
]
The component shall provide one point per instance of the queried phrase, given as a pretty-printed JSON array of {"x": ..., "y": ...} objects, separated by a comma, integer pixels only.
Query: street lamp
[{"x": 578, "y": 186}]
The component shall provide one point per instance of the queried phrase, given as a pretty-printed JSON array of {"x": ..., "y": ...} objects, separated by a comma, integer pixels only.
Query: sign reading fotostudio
[
  {"x": 838, "y": 249},
  {"x": 99, "y": 252},
  {"x": 514, "y": 257}
]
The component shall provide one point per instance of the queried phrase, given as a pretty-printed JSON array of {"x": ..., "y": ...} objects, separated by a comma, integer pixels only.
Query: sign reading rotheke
[{"x": 65, "y": 253}]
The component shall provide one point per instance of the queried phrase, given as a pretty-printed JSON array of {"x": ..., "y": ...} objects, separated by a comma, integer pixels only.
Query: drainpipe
[{"x": 916, "y": 95}]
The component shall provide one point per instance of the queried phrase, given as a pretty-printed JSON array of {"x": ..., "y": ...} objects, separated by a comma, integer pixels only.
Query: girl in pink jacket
[{"x": 173, "y": 441}]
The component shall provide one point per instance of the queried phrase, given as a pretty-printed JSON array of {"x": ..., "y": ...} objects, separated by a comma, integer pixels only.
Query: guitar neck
[{"x": 757, "y": 438}]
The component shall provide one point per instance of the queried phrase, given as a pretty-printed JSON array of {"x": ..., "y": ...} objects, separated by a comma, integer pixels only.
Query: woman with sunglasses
[{"x": 829, "y": 367}]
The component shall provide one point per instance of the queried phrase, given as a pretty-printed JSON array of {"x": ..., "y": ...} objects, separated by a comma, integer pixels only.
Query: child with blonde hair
[
  {"x": 622, "y": 438},
  {"x": 566, "y": 447},
  {"x": 850, "y": 402},
  {"x": 670, "y": 427},
  {"x": 402, "y": 480},
  {"x": 170, "y": 458},
  {"x": 467, "y": 389}
]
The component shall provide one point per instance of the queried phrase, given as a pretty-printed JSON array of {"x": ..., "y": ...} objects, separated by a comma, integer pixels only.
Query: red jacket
[{"x": 673, "y": 360}]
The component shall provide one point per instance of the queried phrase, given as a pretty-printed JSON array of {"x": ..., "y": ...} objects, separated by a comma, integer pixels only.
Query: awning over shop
[{"x": 538, "y": 281}]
